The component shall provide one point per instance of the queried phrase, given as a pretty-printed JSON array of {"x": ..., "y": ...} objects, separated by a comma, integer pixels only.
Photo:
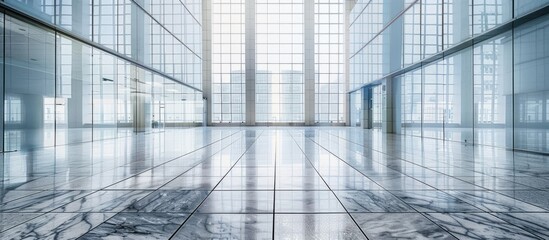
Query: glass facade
[
  {"x": 228, "y": 62},
  {"x": 490, "y": 92},
  {"x": 279, "y": 61},
  {"x": 60, "y": 90},
  {"x": 329, "y": 61},
  {"x": 282, "y": 41}
]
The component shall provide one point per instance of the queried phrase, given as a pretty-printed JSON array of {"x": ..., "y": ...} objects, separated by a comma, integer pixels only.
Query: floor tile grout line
[
  {"x": 341, "y": 152},
  {"x": 399, "y": 158},
  {"x": 210, "y": 192},
  {"x": 411, "y": 162},
  {"x": 512, "y": 224},
  {"x": 338, "y": 157},
  {"x": 421, "y": 213},
  {"x": 446, "y": 191},
  {"x": 492, "y": 213},
  {"x": 184, "y": 155},
  {"x": 169, "y": 160},
  {"x": 40, "y": 214},
  {"x": 405, "y": 174},
  {"x": 151, "y": 191},
  {"x": 425, "y": 214},
  {"x": 177, "y": 157},
  {"x": 341, "y": 203},
  {"x": 205, "y": 160}
]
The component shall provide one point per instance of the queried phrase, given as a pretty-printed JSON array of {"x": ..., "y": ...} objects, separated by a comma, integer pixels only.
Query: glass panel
[
  {"x": 42, "y": 9},
  {"x": 73, "y": 104},
  {"x": 431, "y": 27},
  {"x": 377, "y": 107},
  {"x": 105, "y": 23},
  {"x": 493, "y": 101},
  {"x": 489, "y": 14},
  {"x": 411, "y": 103},
  {"x": 525, "y": 6},
  {"x": 531, "y": 86},
  {"x": 280, "y": 28},
  {"x": 458, "y": 93},
  {"x": 29, "y": 103},
  {"x": 457, "y": 21},
  {"x": 412, "y": 36},
  {"x": 433, "y": 100},
  {"x": 104, "y": 95},
  {"x": 356, "y": 109},
  {"x": 159, "y": 106},
  {"x": 228, "y": 62},
  {"x": 329, "y": 61},
  {"x": 75, "y": 16},
  {"x": 124, "y": 112}
]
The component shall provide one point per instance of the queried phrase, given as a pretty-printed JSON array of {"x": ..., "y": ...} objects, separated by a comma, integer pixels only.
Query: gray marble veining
[
  {"x": 434, "y": 201},
  {"x": 43, "y": 201},
  {"x": 399, "y": 226},
  {"x": 232, "y": 183},
  {"x": 138, "y": 226},
  {"x": 478, "y": 226},
  {"x": 227, "y": 226},
  {"x": 56, "y": 226},
  {"x": 103, "y": 201},
  {"x": 372, "y": 201},
  {"x": 238, "y": 202},
  {"x": 177, "y": 201},
  {"x": 535, "y": 223}
]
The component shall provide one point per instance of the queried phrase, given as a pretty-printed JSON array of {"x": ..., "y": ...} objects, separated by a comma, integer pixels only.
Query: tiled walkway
[{"x": 282, "y": 183}]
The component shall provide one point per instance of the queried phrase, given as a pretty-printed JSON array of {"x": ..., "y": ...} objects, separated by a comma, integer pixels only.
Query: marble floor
[{"x": 274, "y": 182}]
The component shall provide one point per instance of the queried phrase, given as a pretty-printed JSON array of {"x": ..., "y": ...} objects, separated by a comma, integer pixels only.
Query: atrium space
[{"x": 274, "y": 119}]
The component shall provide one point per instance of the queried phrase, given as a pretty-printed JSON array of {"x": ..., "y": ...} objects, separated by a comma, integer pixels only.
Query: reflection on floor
[{"x": 283, "y": 183}]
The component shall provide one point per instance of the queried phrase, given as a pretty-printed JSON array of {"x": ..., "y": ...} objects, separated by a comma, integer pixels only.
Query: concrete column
[
  {"x": 140, "y": 100},
  {"x": 366, "y": 107},
  {"x": 207, "y": 59},
  {"x": 250, "y": 62},
  {"x": 463, "y": 83},
  {"x": 138, "y": 33},
  {"x": 397, "y": 100},
  {"x": 309, "y": 64},
  {"x": 387, "y": 112}
]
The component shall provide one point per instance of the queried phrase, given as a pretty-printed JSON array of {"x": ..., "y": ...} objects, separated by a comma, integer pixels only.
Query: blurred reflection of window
[{"x": 13, "y": 111}]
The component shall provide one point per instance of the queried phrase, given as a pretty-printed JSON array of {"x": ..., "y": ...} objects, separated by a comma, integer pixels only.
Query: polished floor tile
[
  {"x": 227, "y": 226},
  {"x": 174, "y": 201},
  {"x": 434, "y": 201},
  {"x": 56, "y": 226},
  {"x": 138, "y": 226},
  {"x": 399, "y": 226},
  {"x": 372, "y": 201},
  {"x": 238, "y": 202},
  {"x": 316, "y": 226},
  {"x": 307, "y": 202},
  {"x": 246, "y": 183},
  {"x": 479, "y": 226},
  {"x": 274, "y": 182},
  {"x": 535, "y": 223}
]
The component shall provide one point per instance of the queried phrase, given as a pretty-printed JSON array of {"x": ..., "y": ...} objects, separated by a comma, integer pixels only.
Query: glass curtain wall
[
  {"x": 329, "y": 61},
  {"x": 279, "y": 61},
  {"x": 493, "y": 92},
  {"x": 228, "y": 61},
  {"x": 59, "y": 90}
]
